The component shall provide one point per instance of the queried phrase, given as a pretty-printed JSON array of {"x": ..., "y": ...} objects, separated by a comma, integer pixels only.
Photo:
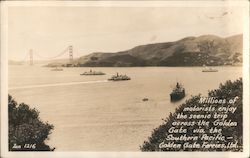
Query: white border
[
  {"x": 246, "y": 104},
  {"x": 4, "y": 78}
]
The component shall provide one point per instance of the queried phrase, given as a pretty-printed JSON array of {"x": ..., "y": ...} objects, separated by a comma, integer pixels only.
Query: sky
[{"x": 49, "y": 30}]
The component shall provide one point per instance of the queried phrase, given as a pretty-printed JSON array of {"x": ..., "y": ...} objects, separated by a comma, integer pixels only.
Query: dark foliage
[
  {"x": 191, "y": 59},
  {"x": 125, "y": 60},
  {"x": 26, "y": 130},
  {"x": 227, "y": 90}
]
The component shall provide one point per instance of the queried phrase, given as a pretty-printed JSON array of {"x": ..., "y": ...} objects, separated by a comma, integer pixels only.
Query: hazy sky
[{"x": 49, "y": 30}]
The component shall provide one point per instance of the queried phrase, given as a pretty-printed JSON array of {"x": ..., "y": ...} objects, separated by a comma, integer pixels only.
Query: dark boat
[
  {"x": 57, "y": 69},
  {"x": 178, "y": 93},
  {"x": 118, "y": 77},
  {"x": 145, "y": 99}
]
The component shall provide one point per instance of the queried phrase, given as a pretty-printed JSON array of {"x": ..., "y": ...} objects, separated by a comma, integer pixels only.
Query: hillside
[{"x": 190, "y": 51}]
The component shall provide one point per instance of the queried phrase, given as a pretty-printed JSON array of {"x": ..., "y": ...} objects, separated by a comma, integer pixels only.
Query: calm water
[{"x": 90, "y": 114}]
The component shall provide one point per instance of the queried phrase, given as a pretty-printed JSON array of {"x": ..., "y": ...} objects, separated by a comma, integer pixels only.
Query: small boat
[
  {"x": 57, "y": 69},
  {"x": 118, "y": 77},
  {"x": 178, "y": 93},
  {"x": 90, "y": 72},
  {"x": 209, "y": 69}
]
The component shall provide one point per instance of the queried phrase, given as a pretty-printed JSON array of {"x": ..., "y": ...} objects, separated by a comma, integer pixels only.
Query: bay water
[{"x": 90, "y": 113}]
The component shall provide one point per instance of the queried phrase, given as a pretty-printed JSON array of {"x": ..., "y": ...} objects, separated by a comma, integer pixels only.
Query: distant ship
[
  {"x": 178, "y": 93},
  {"x": 209, "y": 69},
  {"x": 90, "y": 72},
  {"x": 57, "y": 69},
  {"x": 118, "y": 77}
]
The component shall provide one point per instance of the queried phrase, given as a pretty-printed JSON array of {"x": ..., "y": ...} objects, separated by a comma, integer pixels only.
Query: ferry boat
[
  {"x": 209, "y": 69},
  {"x": 57, "y": 69},
  {"x": 90, "y": 72},
  {"x": 118, "y": 77},
  {"x": 178, "y": 93}
]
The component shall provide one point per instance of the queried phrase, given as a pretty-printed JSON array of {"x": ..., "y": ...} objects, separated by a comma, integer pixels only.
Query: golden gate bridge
[{"x": 31, "y": 54}]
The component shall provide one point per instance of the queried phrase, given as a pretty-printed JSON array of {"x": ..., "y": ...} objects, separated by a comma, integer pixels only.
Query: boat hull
[
  {"x": 57, "y": 70},
  {"x": 177, "y": 96},
  {"x": 110, "y": 79},
  {"x": 92, "y": 74},
  {"x": 209, "y": 70}
]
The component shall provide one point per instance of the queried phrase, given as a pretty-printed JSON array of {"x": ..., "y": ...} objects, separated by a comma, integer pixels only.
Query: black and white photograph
[{"x": 140, "y": 78}]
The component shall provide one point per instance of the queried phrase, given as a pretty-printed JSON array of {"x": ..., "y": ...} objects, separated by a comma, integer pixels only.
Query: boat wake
[{"x": 56, "y": 84}]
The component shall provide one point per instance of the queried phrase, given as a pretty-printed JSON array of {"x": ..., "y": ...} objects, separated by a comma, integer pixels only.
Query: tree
[{"x": 26, "y": 131}]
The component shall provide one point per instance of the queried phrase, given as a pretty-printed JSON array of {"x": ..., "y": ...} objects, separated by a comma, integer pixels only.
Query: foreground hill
[{"x": 191, "y": 51}]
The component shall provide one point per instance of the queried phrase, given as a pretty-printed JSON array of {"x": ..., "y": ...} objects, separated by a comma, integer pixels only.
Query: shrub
[{"x": 26, "y": 129}]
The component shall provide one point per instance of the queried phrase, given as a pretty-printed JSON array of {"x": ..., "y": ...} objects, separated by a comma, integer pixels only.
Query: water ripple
[{"x": 57, "y": 84}]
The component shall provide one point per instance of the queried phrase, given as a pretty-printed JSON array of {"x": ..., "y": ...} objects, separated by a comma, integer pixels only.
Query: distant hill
[
  {"x": 208, "y": 50},
  {"x": 13, "y": 62}
]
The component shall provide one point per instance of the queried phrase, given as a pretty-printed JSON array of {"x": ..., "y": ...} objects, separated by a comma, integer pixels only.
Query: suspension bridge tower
[
  {"x": 71, "y": 54},
  {"x": 31, "y": 57}
]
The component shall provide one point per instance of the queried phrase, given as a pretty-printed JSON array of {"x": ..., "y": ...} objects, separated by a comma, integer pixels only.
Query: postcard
[{"x": 124, "y": 79}]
